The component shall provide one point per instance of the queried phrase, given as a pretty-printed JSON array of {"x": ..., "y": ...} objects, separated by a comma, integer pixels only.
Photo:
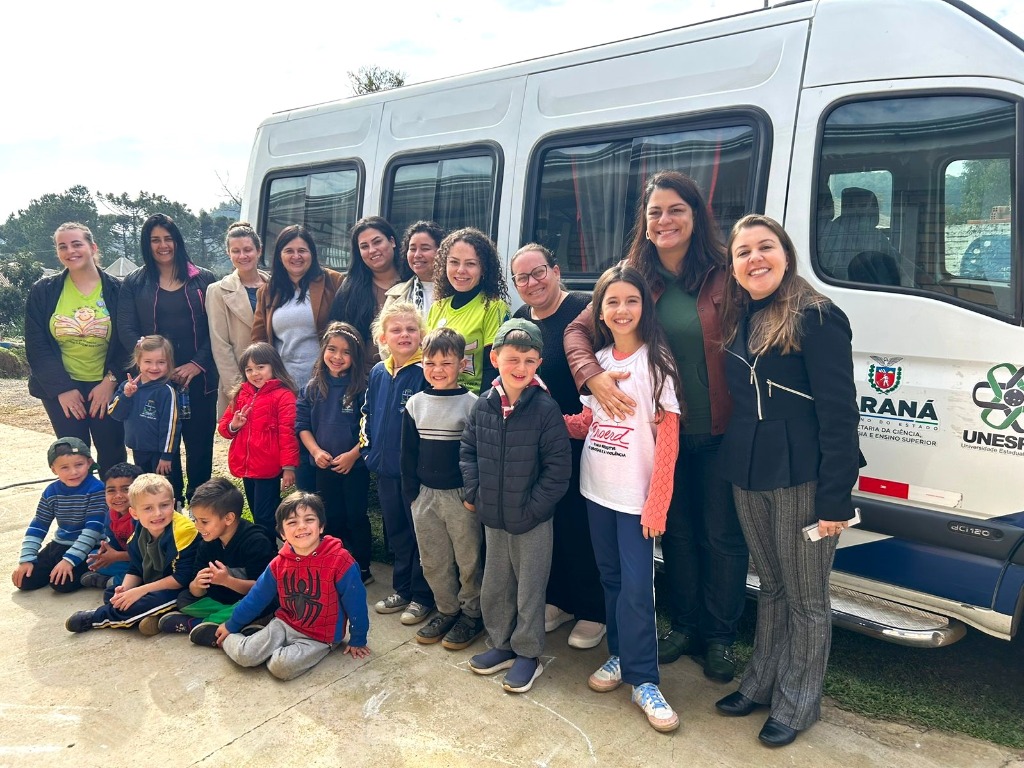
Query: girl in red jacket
[{"x": 260, "y": 423}]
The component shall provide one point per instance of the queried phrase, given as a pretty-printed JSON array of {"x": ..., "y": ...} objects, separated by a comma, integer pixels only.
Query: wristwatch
[{"x": 111, "y": 377}]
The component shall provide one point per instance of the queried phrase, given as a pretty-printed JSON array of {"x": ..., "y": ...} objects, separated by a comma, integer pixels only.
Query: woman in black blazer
[
  {"x": 73, "y": 349},
  {"x": 791, "y": 454}
]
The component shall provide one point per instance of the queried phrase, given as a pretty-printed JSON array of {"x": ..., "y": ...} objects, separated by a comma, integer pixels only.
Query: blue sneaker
[
  {"x": 494, "y": 660},
  {"x": 524, "y": 671}
]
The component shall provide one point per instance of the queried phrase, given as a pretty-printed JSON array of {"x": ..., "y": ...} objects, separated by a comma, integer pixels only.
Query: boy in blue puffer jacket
[{"x": 392, "y": 382}]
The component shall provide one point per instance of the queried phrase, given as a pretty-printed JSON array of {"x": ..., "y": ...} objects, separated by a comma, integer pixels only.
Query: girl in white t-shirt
[{"x": 626, "y": 477}]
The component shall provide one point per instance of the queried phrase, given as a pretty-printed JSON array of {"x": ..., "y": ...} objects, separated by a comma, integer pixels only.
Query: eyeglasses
[{"x": 537, "y": 273}]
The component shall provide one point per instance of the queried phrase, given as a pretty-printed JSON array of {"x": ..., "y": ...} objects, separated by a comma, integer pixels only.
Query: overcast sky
[{"x": 123, "y": 96}]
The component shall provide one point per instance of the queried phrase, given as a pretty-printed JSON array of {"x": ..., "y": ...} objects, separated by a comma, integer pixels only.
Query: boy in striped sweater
[{"x": 76, "y": 501}]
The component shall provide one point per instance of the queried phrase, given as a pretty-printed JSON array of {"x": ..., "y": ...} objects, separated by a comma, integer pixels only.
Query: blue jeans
[
  {"x": 625, "y": 561},
  {"x": 703, "y": 546}
]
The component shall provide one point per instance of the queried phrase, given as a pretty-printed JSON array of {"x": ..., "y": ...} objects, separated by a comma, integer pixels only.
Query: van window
[
  {"x": 453, "y": 191},
  {"x": 587, "y": 192},
  {"x": 915, "y": 194},
  {"x": 325, "y": 202}
]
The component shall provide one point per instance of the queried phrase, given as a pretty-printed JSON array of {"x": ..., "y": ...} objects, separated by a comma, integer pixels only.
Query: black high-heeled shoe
[{"x": 776, "y": 734}]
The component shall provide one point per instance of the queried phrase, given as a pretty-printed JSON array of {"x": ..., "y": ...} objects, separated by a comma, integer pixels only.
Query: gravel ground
[{"x": 19, "y": 409}]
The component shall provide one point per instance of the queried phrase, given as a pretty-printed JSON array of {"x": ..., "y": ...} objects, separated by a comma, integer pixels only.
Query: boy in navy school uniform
[{"x": 162, "y": 553}]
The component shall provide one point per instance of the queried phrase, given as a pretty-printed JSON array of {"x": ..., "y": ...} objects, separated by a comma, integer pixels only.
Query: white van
[{"x": 885, "y": 134}]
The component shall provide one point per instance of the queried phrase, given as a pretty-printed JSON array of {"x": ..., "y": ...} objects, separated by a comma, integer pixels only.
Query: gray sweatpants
[
  {"x": 449, "y": 535},
  {"x": 794, "y": 616},
  {"x": 512, "y": 596},
  {"x": 287, "y": 651}
]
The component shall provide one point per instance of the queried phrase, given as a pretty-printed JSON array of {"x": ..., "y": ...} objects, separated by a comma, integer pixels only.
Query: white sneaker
[
  {"x": 586, "y": 634},
  {"x": 608, "y": 677},
  {"x": 554, "y": 617},
  {"x": 659, "y": 713},
  {"x": 414, "y": 613}
]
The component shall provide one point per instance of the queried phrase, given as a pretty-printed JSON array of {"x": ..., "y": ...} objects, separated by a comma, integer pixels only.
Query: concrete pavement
[{"x": 107, "y": 698}]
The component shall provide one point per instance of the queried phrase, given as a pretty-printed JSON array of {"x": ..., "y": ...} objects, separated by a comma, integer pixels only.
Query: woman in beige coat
[{"x": 230, "y": 304}]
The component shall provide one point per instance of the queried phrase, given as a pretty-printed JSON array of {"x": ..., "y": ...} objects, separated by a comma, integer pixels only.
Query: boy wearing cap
[
  {"x": 516, "y": 463},
  {"x": 76, "y": 501}
]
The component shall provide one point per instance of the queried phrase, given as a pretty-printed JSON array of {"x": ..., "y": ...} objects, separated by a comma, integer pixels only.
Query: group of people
[{"x": 524, "y": 466}]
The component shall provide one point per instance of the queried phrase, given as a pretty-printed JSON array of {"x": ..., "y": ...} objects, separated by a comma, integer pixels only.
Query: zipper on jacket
[
  {"x": 786, "y": 389},
  {"x": 753, "y": 380}
]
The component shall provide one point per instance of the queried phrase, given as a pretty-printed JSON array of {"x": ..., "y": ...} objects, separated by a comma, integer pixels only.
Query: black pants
[
  {"x": 106, "y": 433},
  {"x": 48, "y": 557},
  {"x": 703, "y": 546},
  {"x": 345, "y": 502},
  {"x": 197, "y": 436},
  {"x": 264, "y": 497},
  {"x": 574, "y": 584}
]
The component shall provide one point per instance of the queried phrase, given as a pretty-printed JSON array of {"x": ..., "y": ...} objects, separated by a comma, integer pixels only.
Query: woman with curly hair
[{"x": 470, "y": 297}]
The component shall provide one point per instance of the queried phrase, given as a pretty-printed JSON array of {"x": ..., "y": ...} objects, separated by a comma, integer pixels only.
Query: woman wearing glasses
[{"x": 574, "y": 589}]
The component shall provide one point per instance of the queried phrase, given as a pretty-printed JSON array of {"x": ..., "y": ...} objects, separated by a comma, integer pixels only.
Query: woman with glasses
[
  {"x": 678, "y": 249},
  {"x": 574, "y": 589}
]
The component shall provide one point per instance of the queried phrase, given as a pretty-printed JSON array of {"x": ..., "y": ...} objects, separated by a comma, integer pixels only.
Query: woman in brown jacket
[
  {"x": 678, "y": 248},
  {"x": 293, "y": 310}
]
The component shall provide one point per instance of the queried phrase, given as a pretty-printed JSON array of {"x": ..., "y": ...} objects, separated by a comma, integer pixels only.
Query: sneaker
[
  {"x": 150, "y": 626},
  {"x": 177, "y": 622},
  {"x": 466, "y": 630},
  {"x": 659, "y": 713},
  {"x": 79, "y": 621},
  {"x": 608, "y": 677},
  {"x": 586, "y": 634},
  {"x": 415, "y": 612},
  {"x": 436, "y": 628},
  {"x": 393, "y": 603},
  {"x": 519, "y": 679},
  {"x": 94, "y": 579},
  {"x": 367, "y": 577},
  {"x": 250, "y": 629},
  {"x": 676, "y": 643},
  {"x": 554, "y": 617},
  {"x": 491, "y": 661},
  {"x": 719, "y": 662},
  {"x": 204, "y": 634}
]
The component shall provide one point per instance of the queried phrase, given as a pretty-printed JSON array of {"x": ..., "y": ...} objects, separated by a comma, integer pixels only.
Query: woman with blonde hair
[{"x": 231, "y": 303}]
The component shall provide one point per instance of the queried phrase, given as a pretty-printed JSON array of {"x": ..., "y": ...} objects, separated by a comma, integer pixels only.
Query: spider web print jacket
[{"x": 320, "y": 594}]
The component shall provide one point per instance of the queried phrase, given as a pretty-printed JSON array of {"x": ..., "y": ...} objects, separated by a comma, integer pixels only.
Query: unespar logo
[{"x": 1001, "y": 400}]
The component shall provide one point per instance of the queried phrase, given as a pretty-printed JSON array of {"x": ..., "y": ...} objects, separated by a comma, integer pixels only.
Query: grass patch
[{"x": 972, "y": 687}]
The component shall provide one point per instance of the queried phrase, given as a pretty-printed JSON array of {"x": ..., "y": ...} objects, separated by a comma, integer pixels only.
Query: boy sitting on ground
[
  {"x": 109, "y": 564},
  {"x": 233, "y": 554},
  {"x": 161, "y": 554},
  {"x": 75, "y": 501},
  {"x": 320, "y": 590}
]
